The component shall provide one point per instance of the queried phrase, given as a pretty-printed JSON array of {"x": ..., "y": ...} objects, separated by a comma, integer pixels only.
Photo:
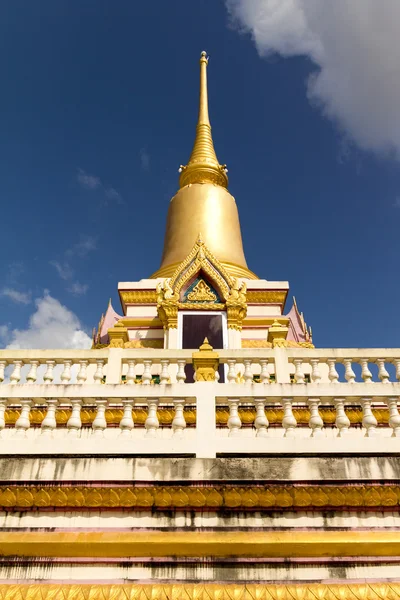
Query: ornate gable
[{"x": 201, "y": 283}]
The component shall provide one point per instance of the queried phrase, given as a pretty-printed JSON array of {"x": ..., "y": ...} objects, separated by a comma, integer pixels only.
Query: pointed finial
[{"x": 203, "y": 165}]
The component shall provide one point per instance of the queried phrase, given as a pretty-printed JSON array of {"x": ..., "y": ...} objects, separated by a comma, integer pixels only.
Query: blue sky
[{"x": 98, "y": 110}]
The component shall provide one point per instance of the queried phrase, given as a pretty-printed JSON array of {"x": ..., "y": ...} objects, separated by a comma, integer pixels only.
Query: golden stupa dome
[{"x": 203, "y": 206}]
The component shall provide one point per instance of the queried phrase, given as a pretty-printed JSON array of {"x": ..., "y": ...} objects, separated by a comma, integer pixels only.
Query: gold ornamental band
[
  {"x": 201, "y": 591},
  {"x": 261, "y": 544},
  {"x": 234, "y": 270},
  {"x": 299, "y": 497}
]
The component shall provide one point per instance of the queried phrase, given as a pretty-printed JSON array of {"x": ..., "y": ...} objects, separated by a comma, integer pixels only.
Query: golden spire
[{"x": 203, "y": 165}]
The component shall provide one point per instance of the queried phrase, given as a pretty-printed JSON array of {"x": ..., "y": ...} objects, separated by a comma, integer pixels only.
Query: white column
[
  {"x": 171, "y": 339},
  {"x": 3, "y": 364},
  {"x": 248, "y": 373},
  {"x": 205, "y": 420},
  {"x": 181, "y": 375},
  {"x": 164, "y": 375},
  {"x": 349, "y": 374},
  {"x": 152, "y": 423},
  {"x": 261, "y": 422},
  {"x": 146, "y": 377},
  {"x": 366, "y": 374},
  {"x": 82, "y": 373},
  {"x": 74, "y": 424},
  {"x": 32, "y": 374},
  {"x": 178, "y": 423},
  {"x": 131, "y": 376},
  {"x": 369, "y": 421},
  {"x": 49, "y": 375},
  {"x": 3, "y": 406},
  {"x": 234, "y": 421},
  {"x": 342, "y": 420},
  {"x": 264, "y": 376},
  {"x": 315, "y": 372},
  {"x": 49, "y": 422},
  {"x": 16, "y": 374},
  {"x": 98, "y": 376},
  {"x": 66, "y": 374},
  {"x": 299, "y": 373},
  {"x": 332, "y": 374},
  {"x": 315, "y": 423},
  {"x": 382, "y": 373},
  {"x": 126, "y": 424},
  {"x": 114, "y": 365},
  {"x": 282, "y": 371},
  {"x": 99, "y": 424},
  {"x": 394, "y": 417},
  {"x": 289, "y": 422},
  {"x": 23, "y": 423}
]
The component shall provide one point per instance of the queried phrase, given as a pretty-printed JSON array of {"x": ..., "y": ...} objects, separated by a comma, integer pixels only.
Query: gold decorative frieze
[
  {"x": 266, "y": 296},
  {"x": 145, "y": 343},
  {"x": 205, "y": 362},
  {"x": 139, "y": 297},
  {"x": 298, "y": 496},
  {"x": 201, "y": 591},
  {"x": 166, "y": 416},
  {"x": 267, "y": 344}
]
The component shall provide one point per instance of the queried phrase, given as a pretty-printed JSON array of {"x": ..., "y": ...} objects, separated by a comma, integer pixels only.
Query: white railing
[{"x": 272, "y": 400}]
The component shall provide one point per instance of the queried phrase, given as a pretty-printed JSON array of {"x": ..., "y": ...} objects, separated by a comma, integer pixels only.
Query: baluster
[
  {"x": 179, "y": 423},
  {"x": 261, "y": 422},
  {"x": 394, "y": 416},
  {"x": 397, "y": 365},
  {"x": 49, "y": 422},
  {"x": 289, "y": 422},
  {"x": 3, "y": 364},
  {"x": 146, "y": 377},
  {"x": 99, "y": 424},
  {"x": 332, "y": 374},
  {"x": 74, "y": 424},
  {"x": 349, "y": 374},
  {"x": 23, "y": 422},
  {"x": 181, "y": 375},
  {"x": 164, "y": 375},
  {"x": 315, "y": 423},
  {"x": 299, "y": 374},
  {"x": 231, "y": 370},
  {"x": 16, "y": 374},
  {"x": 66, "y": 374},
  {"x": 32, "y": 375},
  {"x": 126, "y": 424},
  {"x": 152, "y": 423},
  {"x": 131, "y": 376},
  {"x": 49, "y": 375},
  {"x": 368, "y": 421},
  {"x": 3, "y": 406},
  {"x": 342, "y": 420},
  {"x": 234, "y": 421},
  {"x": 248, "y": 374},
  {"x": 365, "y": 372},
  {"x": 98, "y": 376},
  {"x": 315, "y": 372},
  {"x": 382, "y": 373},
  {"x": 264, "y": 375},
  {"x": 82, "y": 374}
]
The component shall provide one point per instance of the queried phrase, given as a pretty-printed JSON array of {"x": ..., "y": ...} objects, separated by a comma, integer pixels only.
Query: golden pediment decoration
[
  {"x": 200, "y": 260},
  {"x": 201, "y": 293}
]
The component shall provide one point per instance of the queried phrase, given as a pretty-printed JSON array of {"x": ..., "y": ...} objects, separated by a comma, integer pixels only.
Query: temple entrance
[{"x": 196, "y": 327}]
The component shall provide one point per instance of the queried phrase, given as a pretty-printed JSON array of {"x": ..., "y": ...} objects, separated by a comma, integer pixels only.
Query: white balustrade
[
  {"x": 49, "y": 375},
  {"x": 23, "y": 422},
  {"x": 264, "y": 375},
  {"x": 3, "y": 364},
  {"x": 98, "y": 376},
  {"x": 82, "y": 374},
  {"x": 315, "y": 373},
  {"x": 231, "y": 371},
  {"x": 164, "y": 375},
  {"x": 365, "y": 372},
  {"x": 3, "y": 405},
  {"x": 349, "y": 374},
  {"x": 299, "y": 373},
  {"x": 333, "y": 374},
  {"x": 147, "y": 377},
  {"x": 181, "y": 375},
  {"x": 394, "y": 416},
  {"x": 66, "y": 374},
  {"x": 248, "y": 373},
  {"x": 382, "y": 372}
]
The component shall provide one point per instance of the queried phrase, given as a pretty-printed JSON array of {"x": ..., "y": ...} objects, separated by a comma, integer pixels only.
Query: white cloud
[
  {"x": 112, "y": 194},
  {"x": 144, "y": 159},
  {"x": 355, "y": 47},
  {"x": 64, "y": 270},
  {"x": 90, "y": 182},
  {"x": 4, "y": 332},
  {"x": 83, "y": 247},
  {"x": 52, "y": 325},
  {"x": 15, "y": 296},
  {"x": 78, "y": 289}
]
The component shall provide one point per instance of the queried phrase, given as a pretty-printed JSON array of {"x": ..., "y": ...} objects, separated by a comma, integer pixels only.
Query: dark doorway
[{"x": 195, "y": 329}]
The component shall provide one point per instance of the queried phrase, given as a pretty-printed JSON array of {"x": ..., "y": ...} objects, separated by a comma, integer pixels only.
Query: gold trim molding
[
  {"x": 212, "y": 498},
  {"x": 201, "y": 591},
  {"x": 138, "y": 296},
  {"x": 266, "y": 296},
  {"x": 153, "y": 543}
]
